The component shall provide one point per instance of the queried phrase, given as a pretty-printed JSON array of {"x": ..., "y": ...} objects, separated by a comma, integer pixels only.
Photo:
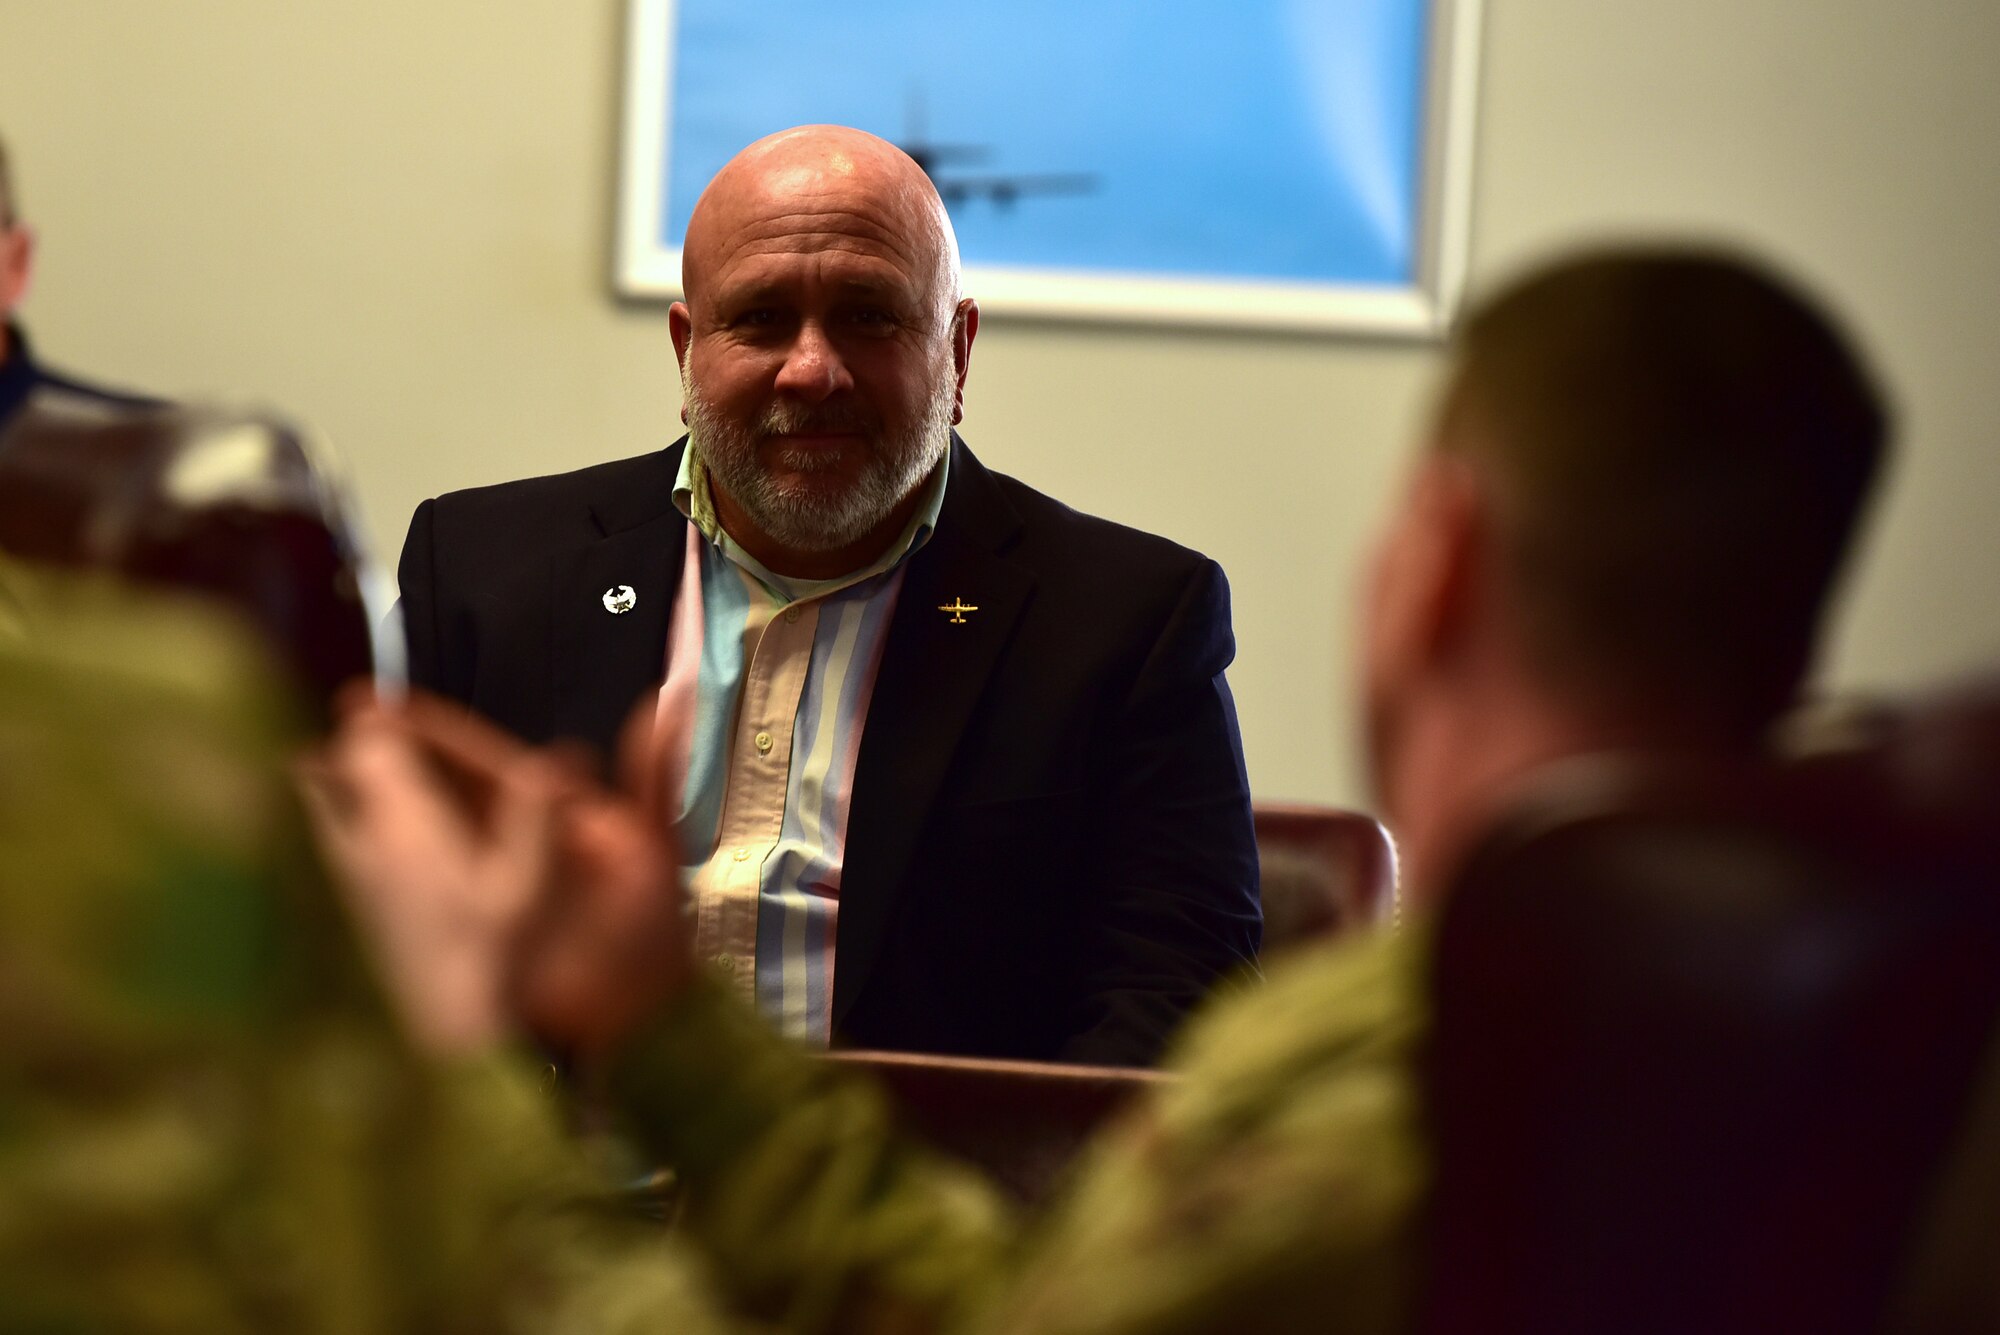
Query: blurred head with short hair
[
  {"x": 17, "y": 248},
  {"x": 1644, "y": 477}
]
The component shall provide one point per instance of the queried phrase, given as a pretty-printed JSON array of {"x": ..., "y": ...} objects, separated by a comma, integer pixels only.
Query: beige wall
[{"x": 392, "y": 220}]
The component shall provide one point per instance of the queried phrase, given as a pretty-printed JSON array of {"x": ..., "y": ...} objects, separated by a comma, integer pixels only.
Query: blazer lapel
[
  {"x": 934, "y": 669},
  {"x": 605, "y": 660}
]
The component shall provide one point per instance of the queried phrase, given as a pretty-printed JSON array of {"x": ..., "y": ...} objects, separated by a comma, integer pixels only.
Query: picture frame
[{"x": 1361, "y": 157}]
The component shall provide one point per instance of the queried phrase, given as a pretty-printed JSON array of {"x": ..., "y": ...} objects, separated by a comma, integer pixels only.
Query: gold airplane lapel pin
[{"x": 958, "y": 607}]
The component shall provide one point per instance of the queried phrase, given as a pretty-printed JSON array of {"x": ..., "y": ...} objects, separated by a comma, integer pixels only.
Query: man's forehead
[
  {"x": 854, "y": 233},
  {"x": 828, "y": 220},
  {"x": 834, "y": 261},
  {"x": 827, "y": 195}
]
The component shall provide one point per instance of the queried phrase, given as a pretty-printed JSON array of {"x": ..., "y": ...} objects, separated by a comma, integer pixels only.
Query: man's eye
[
  {"x": 758, "y": 317},
  {"x": 872, "y": 317}
]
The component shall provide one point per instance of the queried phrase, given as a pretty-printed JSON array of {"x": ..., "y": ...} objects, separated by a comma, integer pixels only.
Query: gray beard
[{"x": 808, "y": 519}]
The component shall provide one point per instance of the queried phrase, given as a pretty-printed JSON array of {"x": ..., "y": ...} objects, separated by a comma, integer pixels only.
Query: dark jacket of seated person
[
  {"x": 22, "y": 377},
  {"x": 1048, "y": 852}
]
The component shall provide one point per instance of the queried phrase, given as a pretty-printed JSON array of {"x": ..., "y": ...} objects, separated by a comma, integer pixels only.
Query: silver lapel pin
[{"x": 620, "y": 599}]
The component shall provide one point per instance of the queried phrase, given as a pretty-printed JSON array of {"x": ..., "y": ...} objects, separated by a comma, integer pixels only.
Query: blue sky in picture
[{"x": 1256, "y": 139}]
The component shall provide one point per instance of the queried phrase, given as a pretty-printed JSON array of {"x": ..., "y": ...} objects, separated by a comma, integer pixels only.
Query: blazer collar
[
  {"x": 604, "y": 661},
  {"x": 640, "y": 497},
  {"x": 974, "y": 506}
]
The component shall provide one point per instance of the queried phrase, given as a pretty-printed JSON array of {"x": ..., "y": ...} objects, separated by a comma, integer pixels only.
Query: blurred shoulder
[
  {"x": 1324, "y": 1013},
  {"x": 620, "y": 483}
]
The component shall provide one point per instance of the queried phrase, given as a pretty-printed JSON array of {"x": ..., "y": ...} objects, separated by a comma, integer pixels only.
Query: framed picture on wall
[{"x": 1294, "y": 164}]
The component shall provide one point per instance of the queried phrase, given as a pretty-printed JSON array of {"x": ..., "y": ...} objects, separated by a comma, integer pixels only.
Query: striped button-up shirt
[{"x": 781, "y": 671}]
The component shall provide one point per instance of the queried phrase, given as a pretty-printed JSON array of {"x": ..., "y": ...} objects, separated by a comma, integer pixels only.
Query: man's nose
[{"x": 814, "y": 369}]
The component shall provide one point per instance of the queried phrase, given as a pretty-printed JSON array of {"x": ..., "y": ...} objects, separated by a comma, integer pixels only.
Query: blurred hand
[
  {"x": 500, "y": 885},
  {"x": 442, "y": 834},
  {"x": 610, "y": 945}
]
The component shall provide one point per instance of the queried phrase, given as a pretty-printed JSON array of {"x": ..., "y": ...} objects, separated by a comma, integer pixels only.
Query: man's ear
[
  {"x": 680, "y": 328},
  {"x": 964, "y": 328},
  {"x": 17, "y": 265},
  {"x": 1432, "y": 570},
  {"x": 1464, "y": 531}
]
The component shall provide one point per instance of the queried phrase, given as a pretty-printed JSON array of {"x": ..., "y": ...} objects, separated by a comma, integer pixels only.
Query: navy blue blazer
[
  {"x": 1049, "y": 853},
  {"x": 22, "y": 377}
]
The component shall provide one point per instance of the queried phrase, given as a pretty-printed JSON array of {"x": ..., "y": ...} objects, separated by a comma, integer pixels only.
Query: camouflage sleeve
[
  {"x": 1274, "y": 1188},
  {"x": 1274, "y": 1185},
  {"x": 522, "y": 1234},
  {"x": 815, "y": 1214},
  {"x": 209, "y": 1120}
]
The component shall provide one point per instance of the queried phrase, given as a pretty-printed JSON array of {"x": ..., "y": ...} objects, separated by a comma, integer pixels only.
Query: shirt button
[
  {"x": 742, "y": 855},
  {"x": 726, "y": 963},
  {"x": 763, "y": 743},
  {"x": 792, "y": 614}
]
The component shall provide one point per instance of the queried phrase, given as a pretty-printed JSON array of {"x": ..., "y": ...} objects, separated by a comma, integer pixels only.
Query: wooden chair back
[
  {"x": 1020, "y": 1122},
  {"x": 1324, "y": 871}
]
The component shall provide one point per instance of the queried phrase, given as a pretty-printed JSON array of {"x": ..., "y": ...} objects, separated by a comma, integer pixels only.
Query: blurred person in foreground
[
  {"x": 212, "y": 1119},
  {"x": 21, "y": 376},
  {"x": 1619, "y": 541},
  {"x": 964, "y": 774},
  {"x": 237, "y": 507}
]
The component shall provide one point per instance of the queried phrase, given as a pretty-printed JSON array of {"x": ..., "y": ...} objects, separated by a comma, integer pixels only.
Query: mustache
[{"x": 784, "y": 419}]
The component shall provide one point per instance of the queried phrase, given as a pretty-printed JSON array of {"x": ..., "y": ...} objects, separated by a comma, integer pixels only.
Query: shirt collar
[{"x": 696, "y": 502}]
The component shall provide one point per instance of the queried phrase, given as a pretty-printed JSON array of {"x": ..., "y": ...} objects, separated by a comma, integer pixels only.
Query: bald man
[
  {"x": 22, "y": 377},
  {"x": 964, "y": 773}
]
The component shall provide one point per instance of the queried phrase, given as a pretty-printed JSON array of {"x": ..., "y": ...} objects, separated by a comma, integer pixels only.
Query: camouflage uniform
[
  {"x": 209, "y": 1122},
  {"x": 1273, "y": 1187}
]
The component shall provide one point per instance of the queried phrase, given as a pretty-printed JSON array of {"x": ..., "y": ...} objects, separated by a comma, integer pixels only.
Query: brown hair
[{"x": 1682, "y": 444}]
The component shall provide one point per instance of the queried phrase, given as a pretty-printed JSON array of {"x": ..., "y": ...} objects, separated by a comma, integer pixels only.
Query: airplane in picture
[{"x": 1003, "y": 190}]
